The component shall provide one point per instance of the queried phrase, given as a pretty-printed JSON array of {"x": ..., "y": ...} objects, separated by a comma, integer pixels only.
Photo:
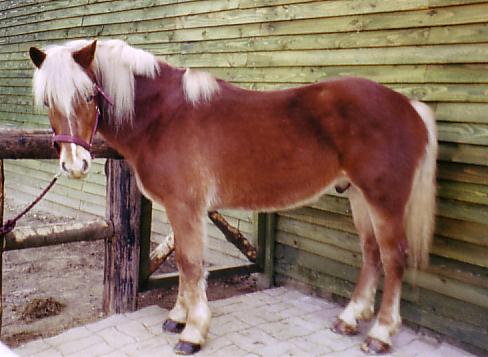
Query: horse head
[{"x": 64, "y": 82}]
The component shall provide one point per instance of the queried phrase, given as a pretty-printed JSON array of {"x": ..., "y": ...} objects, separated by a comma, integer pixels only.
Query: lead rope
[{"x": 10, "y": 224}]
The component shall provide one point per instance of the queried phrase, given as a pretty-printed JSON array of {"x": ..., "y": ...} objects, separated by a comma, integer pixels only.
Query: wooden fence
[
  {"x": 432, "y": 50},
  {"x": 126, "y": 228}
]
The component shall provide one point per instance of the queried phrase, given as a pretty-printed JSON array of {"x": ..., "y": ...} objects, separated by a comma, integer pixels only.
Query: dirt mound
[{"x": 39, "y": 308}]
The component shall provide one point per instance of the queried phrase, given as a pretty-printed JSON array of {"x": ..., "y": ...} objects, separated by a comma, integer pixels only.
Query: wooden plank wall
[{"x": 433, "y": 50}]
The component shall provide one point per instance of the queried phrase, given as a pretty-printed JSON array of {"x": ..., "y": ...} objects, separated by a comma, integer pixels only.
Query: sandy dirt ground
[{"x": 50, "y": 289}]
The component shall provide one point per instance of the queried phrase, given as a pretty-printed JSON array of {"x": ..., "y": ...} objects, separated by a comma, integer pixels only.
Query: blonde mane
[{"x": 60, "y": 80}]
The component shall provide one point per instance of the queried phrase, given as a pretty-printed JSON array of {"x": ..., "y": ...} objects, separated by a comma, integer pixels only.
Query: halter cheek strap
[
  {"x": 62, "y": 138},
  {"x": 103, "y": 94}
]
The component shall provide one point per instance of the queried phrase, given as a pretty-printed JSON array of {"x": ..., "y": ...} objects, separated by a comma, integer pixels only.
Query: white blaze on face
[{"x": 74, "y": 160}]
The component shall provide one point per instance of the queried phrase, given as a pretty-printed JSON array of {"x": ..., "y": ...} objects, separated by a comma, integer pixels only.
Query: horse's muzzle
[{"x": 74, "y": 161}]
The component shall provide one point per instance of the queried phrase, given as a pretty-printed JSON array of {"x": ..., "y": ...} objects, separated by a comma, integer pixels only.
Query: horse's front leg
[{"x": 191, "y": 314}]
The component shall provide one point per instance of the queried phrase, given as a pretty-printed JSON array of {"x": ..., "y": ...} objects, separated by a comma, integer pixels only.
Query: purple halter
[{"x": 63, "y": 138}]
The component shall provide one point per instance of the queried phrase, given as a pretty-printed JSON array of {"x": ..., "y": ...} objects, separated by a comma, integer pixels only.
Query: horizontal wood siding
[{"x": 432, "y": 50}]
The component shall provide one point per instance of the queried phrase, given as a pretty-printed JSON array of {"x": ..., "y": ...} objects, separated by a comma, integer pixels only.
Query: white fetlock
[
  {"x": 356, "y": 310},
  {"x": 383, "y": 332},
  {"x": 348, "y": 317},
  {"x": 367, "y": 313},
  {"x": 396, "y": 326},
  {"x": 178, "y": 313},
  {"x": 193, "y": 335},
  {"x": 197, "y": 325}
]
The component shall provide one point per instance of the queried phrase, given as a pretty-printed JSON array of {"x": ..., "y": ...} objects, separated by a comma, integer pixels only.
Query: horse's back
[
  {"x": 300, "y": 140},
  {"x": 263, "y": 150}
]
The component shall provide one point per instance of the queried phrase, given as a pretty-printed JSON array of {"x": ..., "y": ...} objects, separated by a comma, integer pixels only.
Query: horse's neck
[{"x": 152, "y": 98}]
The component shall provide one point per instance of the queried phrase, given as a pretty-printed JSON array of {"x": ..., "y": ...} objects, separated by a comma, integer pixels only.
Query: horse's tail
[{"x": 420, "y": 212}]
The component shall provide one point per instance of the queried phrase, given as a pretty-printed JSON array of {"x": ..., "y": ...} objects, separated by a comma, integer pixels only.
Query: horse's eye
[
  {"x": 89, "y": 98},
  {"x": 46, "y": 103}
]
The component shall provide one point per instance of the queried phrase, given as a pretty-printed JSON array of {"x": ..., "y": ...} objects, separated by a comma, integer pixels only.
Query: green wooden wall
[{"x": 433, "y": 50}]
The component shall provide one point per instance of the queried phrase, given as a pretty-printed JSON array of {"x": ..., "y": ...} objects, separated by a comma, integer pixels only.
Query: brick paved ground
[{"x": 275, "y": 322}]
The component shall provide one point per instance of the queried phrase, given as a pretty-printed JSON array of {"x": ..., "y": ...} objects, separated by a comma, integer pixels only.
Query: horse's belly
[{"x": 273, "y": 190}]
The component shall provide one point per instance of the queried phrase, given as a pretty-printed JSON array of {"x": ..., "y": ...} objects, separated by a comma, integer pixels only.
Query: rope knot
[{"x": 7, "y": 227}]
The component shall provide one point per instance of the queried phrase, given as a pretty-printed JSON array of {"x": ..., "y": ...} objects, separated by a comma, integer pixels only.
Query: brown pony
[{"x": 197, "y": 143}]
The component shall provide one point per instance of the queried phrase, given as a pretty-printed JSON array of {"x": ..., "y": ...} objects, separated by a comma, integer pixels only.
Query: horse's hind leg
[
  {"x": 361, "y": 306},
  {"x": 191, "y": 313},
  {"x": 390, "y": 233}
]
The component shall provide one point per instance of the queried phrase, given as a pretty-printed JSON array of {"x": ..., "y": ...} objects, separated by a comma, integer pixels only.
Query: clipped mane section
[
  {"x": 199, "y": 86},
  {"x": 60, "y": 80}
]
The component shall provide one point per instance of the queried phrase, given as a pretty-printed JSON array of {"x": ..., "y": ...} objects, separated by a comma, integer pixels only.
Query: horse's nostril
[
  {"x": 85, "y": 165},
  {"x": 63, "y": 166}
]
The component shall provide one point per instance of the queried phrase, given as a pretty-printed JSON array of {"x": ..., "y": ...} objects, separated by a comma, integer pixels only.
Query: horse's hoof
[
  {"x": 187, "y": 348},
  {"x": 373, "y": 346},
  {"x": 173, "y": 326},
  {"x": 343, "y": 328},
  {"x": 342, "y": 187}
]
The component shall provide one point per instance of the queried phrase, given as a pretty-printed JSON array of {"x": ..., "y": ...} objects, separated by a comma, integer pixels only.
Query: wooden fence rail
[
  {"x": 37, "y": 144},
  {"x": 52, "y": 234}
]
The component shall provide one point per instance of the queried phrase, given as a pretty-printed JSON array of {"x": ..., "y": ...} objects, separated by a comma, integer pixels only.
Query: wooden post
[
  {"x": 2, "y": 198},
  {"x": 269, "y": 248},
  {"x": 266, "y": 232},
  {"x": 124, "y": 208},
  {"x": 144, "y": 263},
  {"x": 260, "y": 233}
]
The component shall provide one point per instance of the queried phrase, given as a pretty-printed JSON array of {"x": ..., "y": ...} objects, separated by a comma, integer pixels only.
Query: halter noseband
[{"x": 63, "y": 138}]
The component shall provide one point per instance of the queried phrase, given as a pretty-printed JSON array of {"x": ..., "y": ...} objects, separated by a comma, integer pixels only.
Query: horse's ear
[
  {"x": 37, "y": 56},
  {"x": 84, "y": 57}
]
